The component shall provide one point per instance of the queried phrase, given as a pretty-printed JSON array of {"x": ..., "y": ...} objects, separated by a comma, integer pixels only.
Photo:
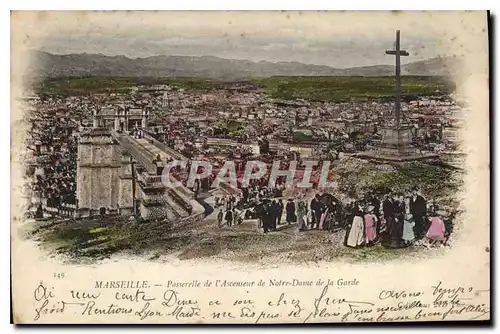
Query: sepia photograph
[{"x": 191, "y": 144}]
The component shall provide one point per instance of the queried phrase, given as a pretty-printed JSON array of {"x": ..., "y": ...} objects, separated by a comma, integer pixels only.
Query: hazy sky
[{"x": 324, "y": 38}]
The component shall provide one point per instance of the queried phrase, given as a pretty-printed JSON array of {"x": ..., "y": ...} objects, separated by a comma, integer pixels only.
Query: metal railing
[
  {"x": 154, "y": 180},
  {"x": 64, "y": 210}
]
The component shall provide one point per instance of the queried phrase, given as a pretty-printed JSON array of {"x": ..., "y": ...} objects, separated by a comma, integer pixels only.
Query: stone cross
[{"x": 398, "y": 53}]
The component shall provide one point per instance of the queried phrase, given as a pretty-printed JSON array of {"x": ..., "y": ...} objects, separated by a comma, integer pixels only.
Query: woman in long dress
[
  {"x": 356, "y": 233},
  {"x": 302, "y": 215},
  {"x": 408, "y": 225},
  {"x": 370, "y": 226},
  {"x": 309, "y": 218}
]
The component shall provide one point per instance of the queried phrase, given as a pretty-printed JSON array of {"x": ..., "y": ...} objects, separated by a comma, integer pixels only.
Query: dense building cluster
[
  {"x": 51, "y": 159},
  {"x": 208, "y": 123}
]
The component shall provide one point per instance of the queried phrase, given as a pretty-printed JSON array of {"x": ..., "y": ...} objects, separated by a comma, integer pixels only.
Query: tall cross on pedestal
[{"x": 398, "y": 53}]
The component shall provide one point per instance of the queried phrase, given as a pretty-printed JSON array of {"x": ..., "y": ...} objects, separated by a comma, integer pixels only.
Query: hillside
[
  {"x": 311, "y": 88},
  {"x": 77, "y": 65}
]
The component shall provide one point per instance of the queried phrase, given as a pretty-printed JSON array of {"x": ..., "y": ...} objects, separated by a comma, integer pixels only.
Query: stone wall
[
  {"x": 126, "y": 185},
  {"x": 104, "y": 179}
]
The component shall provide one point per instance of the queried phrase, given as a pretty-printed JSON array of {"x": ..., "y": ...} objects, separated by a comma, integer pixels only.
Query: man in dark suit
[
  {"x": 291, "y": 217},
  {"x": 274, "y": 212},
  {"x": 399, "y": 210},
  {"x": 418, "y": 209},
  {"x": 316, "y": 207},
  {"x": 229, "y": 217},
  {"x": 267, "y": 216},
  {"x": 159, "y": 165}
]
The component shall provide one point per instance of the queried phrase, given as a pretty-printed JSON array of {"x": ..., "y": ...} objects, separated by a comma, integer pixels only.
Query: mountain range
[{"x": 51, "y": 65}]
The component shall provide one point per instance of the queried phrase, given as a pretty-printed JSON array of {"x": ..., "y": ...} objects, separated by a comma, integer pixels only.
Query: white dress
[
  {"x": 356, "y": 233},
  {"x": 408, "y": 234}
]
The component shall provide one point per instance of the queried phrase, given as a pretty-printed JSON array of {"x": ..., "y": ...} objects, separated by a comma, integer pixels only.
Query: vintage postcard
[{"x": 249, "y": 167}]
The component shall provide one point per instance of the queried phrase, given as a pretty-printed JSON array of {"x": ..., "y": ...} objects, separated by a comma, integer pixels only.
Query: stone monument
[{"x": 397, "y": 138}]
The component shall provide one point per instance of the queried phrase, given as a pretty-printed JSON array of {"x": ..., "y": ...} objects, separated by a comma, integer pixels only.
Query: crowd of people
[
  {"x": 52, "y": 166},
  {"x": 394, "y": 221},
  {"x": 397, "y": 221}
]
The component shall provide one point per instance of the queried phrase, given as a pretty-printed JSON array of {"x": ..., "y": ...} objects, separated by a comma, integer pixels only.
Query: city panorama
[{"x": 206, "y": 157}]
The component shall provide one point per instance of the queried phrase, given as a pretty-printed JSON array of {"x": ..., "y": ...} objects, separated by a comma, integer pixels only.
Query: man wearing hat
[
  {"x": 395, "y": 228},
  {"x": 316, "y": 208},
  {"x": 388, "y": 211},
  {"x": 266, "y": 216}
]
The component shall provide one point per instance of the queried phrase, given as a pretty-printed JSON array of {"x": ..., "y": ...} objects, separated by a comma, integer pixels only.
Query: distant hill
[
  {"x": 45, "y": 64},
  {"x": 444, "y": 66}
]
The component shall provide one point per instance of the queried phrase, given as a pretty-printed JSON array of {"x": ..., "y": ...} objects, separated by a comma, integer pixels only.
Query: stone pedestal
[{"x": 396, "y": 141}]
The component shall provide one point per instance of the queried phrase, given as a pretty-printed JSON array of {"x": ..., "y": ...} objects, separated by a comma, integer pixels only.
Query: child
[{"x": 435, "y": 233}]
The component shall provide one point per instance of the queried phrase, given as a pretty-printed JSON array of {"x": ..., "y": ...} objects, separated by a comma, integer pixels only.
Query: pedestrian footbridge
[{"x": 156, "y": 200}]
